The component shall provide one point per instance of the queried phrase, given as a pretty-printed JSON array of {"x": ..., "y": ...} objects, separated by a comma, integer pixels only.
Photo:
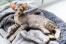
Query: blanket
[{"x": 32, "y": 36}]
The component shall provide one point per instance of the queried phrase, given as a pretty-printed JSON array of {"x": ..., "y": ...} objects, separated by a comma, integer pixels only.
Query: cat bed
[{"x": 32, "y": 36}]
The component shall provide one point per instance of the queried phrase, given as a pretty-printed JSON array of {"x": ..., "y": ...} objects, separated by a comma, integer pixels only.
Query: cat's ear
[
  {"x": 25, "y": 5},
  {"x": 13, "y": 6}
]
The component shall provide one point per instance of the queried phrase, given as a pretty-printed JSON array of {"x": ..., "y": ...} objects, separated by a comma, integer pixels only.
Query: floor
[{"x": 59, "y": 9}]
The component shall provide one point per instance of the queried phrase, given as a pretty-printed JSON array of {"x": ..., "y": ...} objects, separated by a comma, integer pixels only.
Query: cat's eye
[{"x": 21, "y": 10}]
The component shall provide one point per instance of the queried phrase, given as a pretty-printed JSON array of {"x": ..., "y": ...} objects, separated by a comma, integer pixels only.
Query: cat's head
[{"x": 19, "y": 8}]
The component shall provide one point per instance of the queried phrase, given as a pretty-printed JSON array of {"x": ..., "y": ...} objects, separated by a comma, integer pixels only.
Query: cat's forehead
[
  {"x": 21, "y": 5},
  {"x": 18, "y": 6}
]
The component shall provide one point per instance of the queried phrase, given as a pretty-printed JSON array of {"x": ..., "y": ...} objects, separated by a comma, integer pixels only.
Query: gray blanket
[{"x": 32, "y": 36}]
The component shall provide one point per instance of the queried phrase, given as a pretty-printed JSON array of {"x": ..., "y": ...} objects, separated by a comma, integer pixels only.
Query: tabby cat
[{"x": 31, "y": 20}]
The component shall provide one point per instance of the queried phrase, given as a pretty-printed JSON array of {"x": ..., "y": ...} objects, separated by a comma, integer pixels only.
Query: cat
[{"x": 32, "y": 20}]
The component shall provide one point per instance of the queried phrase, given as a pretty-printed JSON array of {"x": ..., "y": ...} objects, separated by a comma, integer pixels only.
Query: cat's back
[{"x": 36, "y": 20}]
